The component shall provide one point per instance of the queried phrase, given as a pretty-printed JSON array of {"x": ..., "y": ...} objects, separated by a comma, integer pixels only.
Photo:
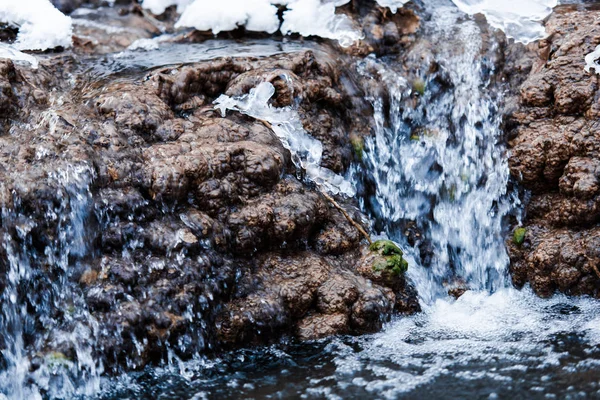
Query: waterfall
[
  {"x": 40, "y": 281},
  {"x": 439, "y": 164},
  {"x": 435, "y": 179}
]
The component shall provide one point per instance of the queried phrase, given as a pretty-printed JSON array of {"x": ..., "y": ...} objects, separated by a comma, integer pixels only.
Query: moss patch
[
  {"x": 519, "y": 236},
  {"x": 419, "y": 86},
  {"x": 393, "y": 261},
  {"x": 358, "y": 145}
]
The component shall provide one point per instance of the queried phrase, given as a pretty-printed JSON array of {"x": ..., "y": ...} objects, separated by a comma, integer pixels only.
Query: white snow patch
[
  {"x": 158, "y": 7},
  {"x": 41, "y": 25},
  {"x": 393, "y": 5},
  {"x": 314, "y": 18},
  {"x": 591, "y": 60},
  {"x": 227, "y": 15},
  {"x": 519, "y": 19},
  {"x": 306, "y": 17},
  {"x": 306, "y": 151},
  {"x": 144, "y": 44}
]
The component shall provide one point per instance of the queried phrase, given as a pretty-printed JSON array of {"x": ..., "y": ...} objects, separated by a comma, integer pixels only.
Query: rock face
[
  {"x": 555, "y": 148},
  {"x": 150, "y": 220}
]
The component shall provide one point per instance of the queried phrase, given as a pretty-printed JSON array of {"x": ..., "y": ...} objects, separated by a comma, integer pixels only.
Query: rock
[
  {"x": 185, "y": 230},
  {"x": 554, "y": 154}
]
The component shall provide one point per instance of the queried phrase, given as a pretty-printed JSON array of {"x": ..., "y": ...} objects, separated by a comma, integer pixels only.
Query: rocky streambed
[{"x": 144, "y": 230}]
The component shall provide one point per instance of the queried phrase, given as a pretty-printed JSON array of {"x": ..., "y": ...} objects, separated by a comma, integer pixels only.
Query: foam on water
[{"x": 511, "y": 337}]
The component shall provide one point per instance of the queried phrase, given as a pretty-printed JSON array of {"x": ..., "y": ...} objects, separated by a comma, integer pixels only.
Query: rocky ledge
[
  {"x": 148, "y": 218},
  {"x": 552, "y": 123}
]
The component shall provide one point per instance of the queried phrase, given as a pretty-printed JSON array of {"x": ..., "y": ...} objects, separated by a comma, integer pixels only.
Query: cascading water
[
  {"x": 28, "y": 369},
  {"x": 438, "y": 165},
  {"x": 440, "y": 176}
]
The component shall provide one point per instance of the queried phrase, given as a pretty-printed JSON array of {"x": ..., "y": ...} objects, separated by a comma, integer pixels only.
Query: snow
[
  {"x": 41, "y": 25},
  {"x": 591, "y": 60},
  {"x": 158, "y": 7},
  {"x": 227, "y": 15},
  {"x": 519, "y": 19},
  {"x": 313, "y": 18},
  {"x": 306, "y": 151},
  {"x": 306, "y": 17},
  {"x": 393, "y": 5}
]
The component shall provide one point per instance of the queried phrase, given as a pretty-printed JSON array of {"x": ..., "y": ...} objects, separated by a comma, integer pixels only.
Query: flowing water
[{"x": 435, "y": 179}]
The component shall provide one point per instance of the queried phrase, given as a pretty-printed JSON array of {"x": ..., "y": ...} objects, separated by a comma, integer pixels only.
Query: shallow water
[{"x": 507, "y": 345}]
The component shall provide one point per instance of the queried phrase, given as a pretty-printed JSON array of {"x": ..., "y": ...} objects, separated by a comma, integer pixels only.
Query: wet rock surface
[
  {"x": 552, "y": 125},
  {"x": 150, "y": 222}
]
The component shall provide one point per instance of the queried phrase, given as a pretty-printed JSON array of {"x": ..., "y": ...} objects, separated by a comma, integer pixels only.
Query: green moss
[
  {"x": 397, "y": 264},
  {"x": 419, "y": 86},
  {"x": 57, "y": 359},
  {"x": 385, "y": 247},
  {"x": 392, "y": 257},
  {"x": 519, "y": 236},
  {"x": 358, "y": 145}
]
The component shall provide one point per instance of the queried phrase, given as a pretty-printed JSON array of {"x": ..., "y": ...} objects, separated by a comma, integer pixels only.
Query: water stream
[{"x": 434, "y": 179}]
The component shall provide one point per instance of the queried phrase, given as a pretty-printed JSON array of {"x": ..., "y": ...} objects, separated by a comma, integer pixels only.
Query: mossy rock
[
  {"x": 358, "y": 145},
  {"x": 56, "y": 359},
  {"x": 519, "y": 236},
  {"x": 393, "y": 261},
  {"x": 419, "y": 86}
]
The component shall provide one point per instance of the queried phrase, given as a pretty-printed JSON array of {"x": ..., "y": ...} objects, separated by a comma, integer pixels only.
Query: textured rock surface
[
  {"x": 553, "y": 126},
  {"x": 197, "y": 230}
]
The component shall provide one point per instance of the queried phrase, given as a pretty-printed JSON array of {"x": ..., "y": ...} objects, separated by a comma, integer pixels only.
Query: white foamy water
[
  {"x": 507, "y": 342},
  {"x": 306, "y": 151}
]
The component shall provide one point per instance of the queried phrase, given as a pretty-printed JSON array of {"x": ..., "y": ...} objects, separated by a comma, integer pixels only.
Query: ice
[
  {"x": 314, "y": 18},
  {"x": 306, "y": 151},
  {"x": 393, "y": 5},
  {"x": 144, "y": 44},
  {"x": 41, "y": 25},
  {"x": 158, "y": 7},
  {"x": 591, "y": 60},
  {"x": 519, "y": 19},
  {"x": 306, "y": 17},
  {"x": 7, "y": 51},
  {"x": 227, "y": 15}
]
